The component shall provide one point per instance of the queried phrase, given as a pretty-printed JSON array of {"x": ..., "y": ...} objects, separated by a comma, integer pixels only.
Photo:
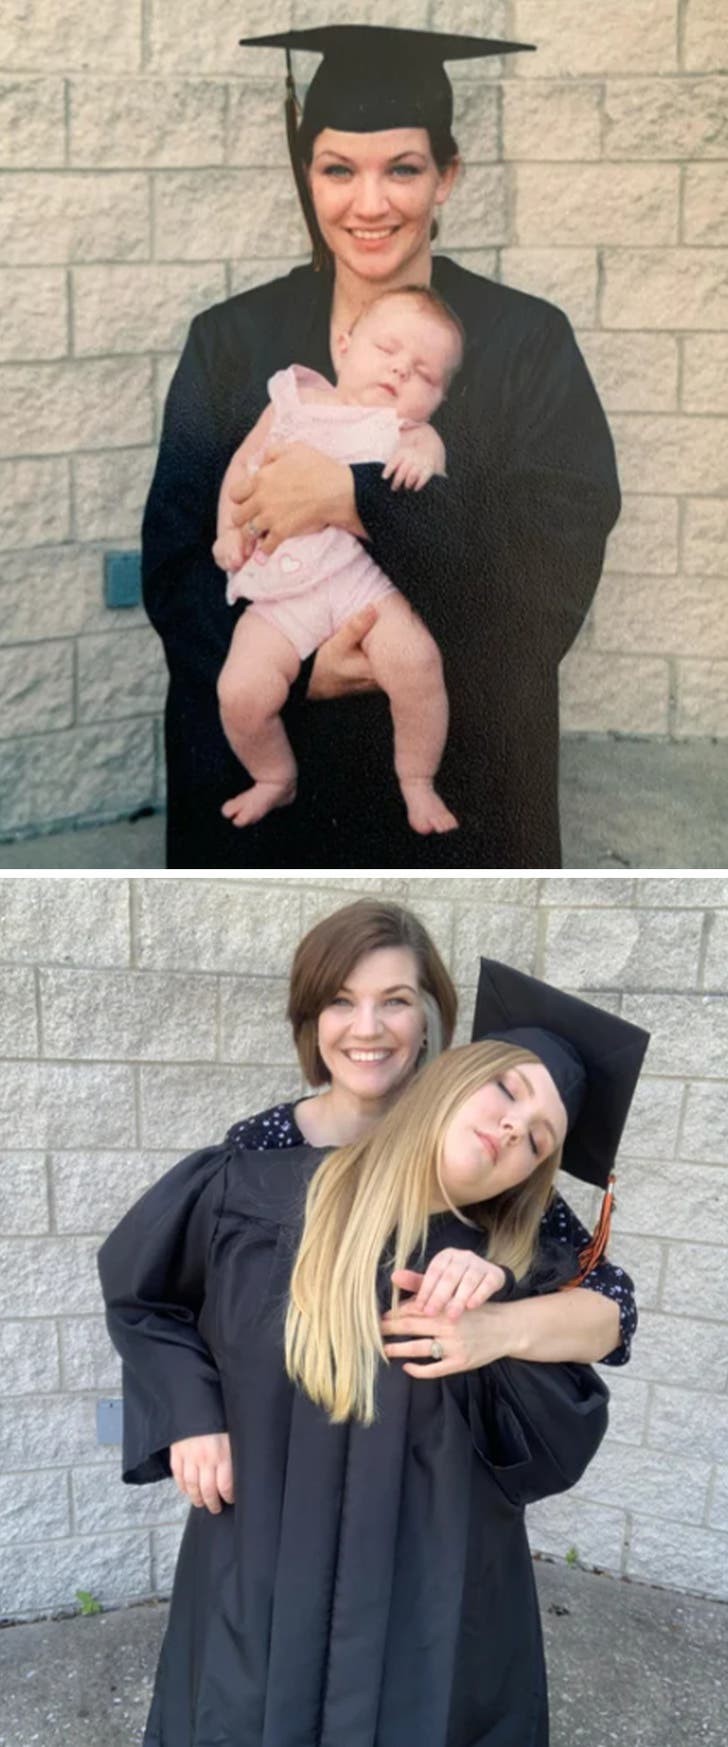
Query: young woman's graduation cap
[
  {"x": 593, "y": 1057},
  {"x": 371, "y": 78},
  {"x": 374, "y": 77}
]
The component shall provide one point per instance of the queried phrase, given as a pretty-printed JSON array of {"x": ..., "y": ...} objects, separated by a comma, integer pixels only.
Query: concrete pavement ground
[
  {"x": 624, "y": 803},
  {"x": 629, "y": 1666}
]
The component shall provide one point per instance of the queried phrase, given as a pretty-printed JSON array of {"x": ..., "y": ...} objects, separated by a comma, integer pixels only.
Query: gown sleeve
[
  {"x": 553, "y": 494},
  {"x": 153, "y": 1273},
  {"x": 536, "y": 1427},
  {"x": 562, "y": 1226},
  {"x": 184, "y": 591}
]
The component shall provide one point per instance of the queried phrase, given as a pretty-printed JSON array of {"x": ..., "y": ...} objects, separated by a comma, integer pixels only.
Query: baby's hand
[
  {"x": 229, "y": 550},
  {"x": 419, "y": 454}
]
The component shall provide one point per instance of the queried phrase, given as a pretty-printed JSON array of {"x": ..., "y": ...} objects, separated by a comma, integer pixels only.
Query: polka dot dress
[{"x": 277, "y": 1127}]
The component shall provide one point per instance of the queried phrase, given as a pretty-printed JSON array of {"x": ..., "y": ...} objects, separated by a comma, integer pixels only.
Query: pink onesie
[{"x": 313, "y": 582}]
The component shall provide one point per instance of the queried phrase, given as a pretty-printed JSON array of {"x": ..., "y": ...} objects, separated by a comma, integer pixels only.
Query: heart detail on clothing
[{"x": 289, "y": 564}]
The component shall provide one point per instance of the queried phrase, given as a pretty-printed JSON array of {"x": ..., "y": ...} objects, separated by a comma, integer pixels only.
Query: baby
[{"x": 396, "y": 366}]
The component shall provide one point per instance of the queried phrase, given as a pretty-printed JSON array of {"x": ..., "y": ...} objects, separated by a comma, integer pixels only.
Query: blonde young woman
[{"x": 367, "y": 1579}]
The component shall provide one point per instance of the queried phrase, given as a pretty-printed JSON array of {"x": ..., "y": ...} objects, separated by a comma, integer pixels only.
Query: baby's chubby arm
[
  {"x": 419, "y": 454},
  {"x": 234, "y": 543}
]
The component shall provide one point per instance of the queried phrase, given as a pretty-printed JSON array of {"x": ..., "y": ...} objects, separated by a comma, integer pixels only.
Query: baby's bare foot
[
  {"x": 253, "y": 804},
  {"x": 425, "y": 811}
]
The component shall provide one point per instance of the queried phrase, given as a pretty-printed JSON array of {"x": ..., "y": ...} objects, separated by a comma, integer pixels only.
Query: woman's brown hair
[
  {"x": 327, "y": 954},
  {"x": 300, "y": 146}
]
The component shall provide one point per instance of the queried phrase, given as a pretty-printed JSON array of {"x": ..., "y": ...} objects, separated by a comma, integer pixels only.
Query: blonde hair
[{"x": 369, "y": 1204}]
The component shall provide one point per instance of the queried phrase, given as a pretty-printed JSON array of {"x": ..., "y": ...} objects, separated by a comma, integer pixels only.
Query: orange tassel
[{"x": 594, "y": 1250}]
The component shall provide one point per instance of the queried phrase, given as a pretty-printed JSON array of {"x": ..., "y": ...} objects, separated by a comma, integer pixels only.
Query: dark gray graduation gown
[
  {"x": 501, "y": 560},
  {"x": 370, "y": 1587}
]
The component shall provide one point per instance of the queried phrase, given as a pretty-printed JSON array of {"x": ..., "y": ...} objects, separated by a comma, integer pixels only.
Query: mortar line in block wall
[
  {"x": 226, "y": 126},
  {"x": 73, "y": 1527},
  {"x": 682, "y": 1118},
  {"x": 76, "y": 721},
  {"x": 218, "y": 1019},
  {"x": 145, "y": 45},
  {"x": 680, "y": 337},
  {"x": 541, "y": 940},
  {"x": 661, "y": 1283},
  {"x": 71, "y": 322},
  {"x": 705, "y": 933},
  {"x": 154, "y": 1564},
  {"x": 511, "y": 204},
  {"x": 38, "y": 1012},
  {"x": 626, "y": 1543},
  {"x": 672, "y": 697},
  {"x": 681, "y": 22},
  {"x": 50, "y": 1199},
  {"x": 152, "y": 180},
  {"x": 133, "y": 900},
  {"x": 203, "y": 1063},
  {"x": 137, "y": 1099},
  {"x": 710, "y": 1495}
]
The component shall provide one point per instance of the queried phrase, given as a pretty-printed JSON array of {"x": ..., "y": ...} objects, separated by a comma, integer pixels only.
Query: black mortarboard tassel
[{"x": 593, "y": 1057}]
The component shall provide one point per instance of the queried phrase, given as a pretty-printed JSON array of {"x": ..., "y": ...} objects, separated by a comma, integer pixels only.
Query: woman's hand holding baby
[
  {"x": 297, "y": 490},
  {"x": 203, "y": 1470}
]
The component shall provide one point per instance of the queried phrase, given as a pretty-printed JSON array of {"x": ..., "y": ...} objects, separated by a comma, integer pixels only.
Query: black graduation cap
[
  {"x": 594, "y": 1058},
  {"x": 374, "y": 77}
]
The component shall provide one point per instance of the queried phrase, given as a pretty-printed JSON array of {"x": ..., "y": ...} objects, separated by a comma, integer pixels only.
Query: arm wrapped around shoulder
[
  {"x": 536, "y": 1426},
  {"x": 153, "y": 1274}
]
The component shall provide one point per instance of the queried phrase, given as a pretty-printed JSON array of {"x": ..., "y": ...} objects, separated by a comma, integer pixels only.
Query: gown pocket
[{"x": 536, "y": 1427}]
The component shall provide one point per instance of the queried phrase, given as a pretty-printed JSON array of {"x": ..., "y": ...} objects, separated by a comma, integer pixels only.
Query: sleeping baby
[{"x": 396, "y": 367}]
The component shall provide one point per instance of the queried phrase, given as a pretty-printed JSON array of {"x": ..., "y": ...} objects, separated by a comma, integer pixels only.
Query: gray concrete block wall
[
  {"x": 144, "y": 176},
  {"x": 142, "y": 1016}
]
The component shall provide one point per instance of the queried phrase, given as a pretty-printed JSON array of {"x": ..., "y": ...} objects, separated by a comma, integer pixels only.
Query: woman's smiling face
[
  {"x": 375, "y": 195},
  {"x": 501, "y": 1133},
  {"x": 370, "y": 1033}
]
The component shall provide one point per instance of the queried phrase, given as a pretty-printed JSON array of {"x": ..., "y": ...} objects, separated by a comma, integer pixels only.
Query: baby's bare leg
[
  {"x": 406, "y": 663},
  {"x": 253, "y": 686}
]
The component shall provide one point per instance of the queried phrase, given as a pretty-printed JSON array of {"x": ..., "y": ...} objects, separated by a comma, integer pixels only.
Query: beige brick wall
[
  {"x": 139, "y": 1018},
  {"x": 141, "y": 154}
]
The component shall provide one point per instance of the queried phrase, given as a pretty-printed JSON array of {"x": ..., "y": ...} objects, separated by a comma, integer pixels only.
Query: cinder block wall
[
  {"x": 146, "y": 177},
  {"x": 140, "y": 1018}
]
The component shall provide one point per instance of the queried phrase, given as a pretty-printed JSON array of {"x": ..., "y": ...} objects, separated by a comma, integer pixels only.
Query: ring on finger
[
  {"x": 253, "y": 529},
  {"x": 437, "y": 1350}
]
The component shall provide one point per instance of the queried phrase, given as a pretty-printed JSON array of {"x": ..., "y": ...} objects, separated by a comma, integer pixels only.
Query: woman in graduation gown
[
  {"x": 369, "y": 1581},
  {"x": 501, "y": 559}
]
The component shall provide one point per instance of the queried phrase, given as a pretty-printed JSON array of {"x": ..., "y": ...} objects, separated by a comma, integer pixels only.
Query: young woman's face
[
  {"x": 371, "y": 1032},
  {"x": 375, "y": 196},
  {"x": 501, "y": 1133}
]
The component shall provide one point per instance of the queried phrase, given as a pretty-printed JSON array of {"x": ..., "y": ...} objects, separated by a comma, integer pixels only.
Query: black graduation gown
[
  {"x": 501, "y": 561},
  {"x": 370, "y": 1587}
]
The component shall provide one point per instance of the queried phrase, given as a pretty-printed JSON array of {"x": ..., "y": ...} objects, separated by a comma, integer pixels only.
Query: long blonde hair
[{"x": 371, "y": 1202}]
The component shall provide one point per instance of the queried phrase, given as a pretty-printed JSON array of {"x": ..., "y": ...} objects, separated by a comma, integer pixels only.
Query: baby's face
[{"x": 399, "y": 356}]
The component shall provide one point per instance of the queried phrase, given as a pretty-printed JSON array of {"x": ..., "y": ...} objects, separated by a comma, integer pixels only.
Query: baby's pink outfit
[{"x": 313, "y": 582}]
